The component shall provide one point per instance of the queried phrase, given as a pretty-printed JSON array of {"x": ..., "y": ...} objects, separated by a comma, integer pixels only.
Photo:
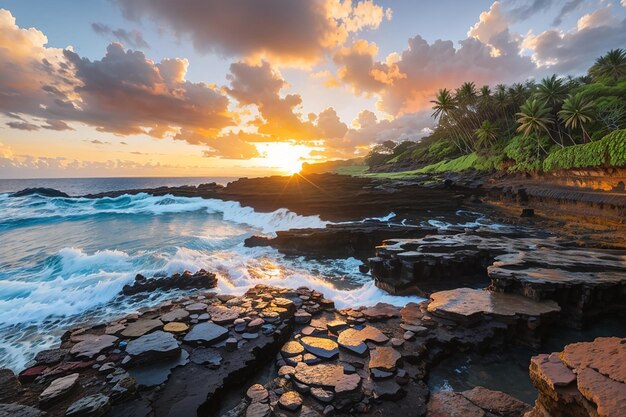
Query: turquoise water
[{"x": 64, "y": 261}]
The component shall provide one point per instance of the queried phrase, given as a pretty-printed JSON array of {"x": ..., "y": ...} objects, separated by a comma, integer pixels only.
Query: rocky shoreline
[
  {"x": 179, "y": 358},
  {"x": 488, "y": 290}
]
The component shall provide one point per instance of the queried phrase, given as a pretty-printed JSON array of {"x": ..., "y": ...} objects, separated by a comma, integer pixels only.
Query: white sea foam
[
  {"x": 34, "y": 207},
  {"x": 48, "y": 290}
]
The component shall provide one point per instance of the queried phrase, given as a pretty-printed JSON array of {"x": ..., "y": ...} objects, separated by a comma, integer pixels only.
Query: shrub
[
  {"x": 527, "y": 152},
  {"x": 610, "y": 151}
]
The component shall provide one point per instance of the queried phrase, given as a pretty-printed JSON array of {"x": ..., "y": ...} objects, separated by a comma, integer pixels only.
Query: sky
[{"x": 105, "y": 88}]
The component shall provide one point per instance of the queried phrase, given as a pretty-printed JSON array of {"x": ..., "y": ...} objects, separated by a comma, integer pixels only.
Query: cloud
[
  {"x": 567, "y": 8},
  {"x": 28, "y": 166},
  {"x": 25, "y": 66},
  {"x": 22, "y": 126},
  {"x": 405, "y": 83},
  {"x": 490, "y": 23},
  {"x": 97, "y": 142},
  {"x": 527, "y": 9},
  {"x": 598, "y": 18},
  {"x": 261, "y": 86},
  {"x": 123, "y": 93},
  {"x": 574, "y": 52},
  {"x": 58, "y": 125},
  {"x": 285, "y": 30},
  {"x": 231, "y": 146},
  {"x": 367, "y": 129},
  {"x": 132, "y": 38},
  {"x": 330, "y": 125},
  {"x": 358, "y": 68}
]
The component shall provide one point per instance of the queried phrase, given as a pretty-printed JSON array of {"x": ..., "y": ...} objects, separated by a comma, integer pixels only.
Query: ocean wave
[{"x": 16, "y": 211}]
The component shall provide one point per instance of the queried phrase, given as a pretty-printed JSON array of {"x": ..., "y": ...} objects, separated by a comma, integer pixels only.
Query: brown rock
[{"x": 608, "y": 395}]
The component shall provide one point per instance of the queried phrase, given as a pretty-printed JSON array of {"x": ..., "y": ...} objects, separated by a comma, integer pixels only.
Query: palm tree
[
  {"x": 466, "y": 93},
  {"x": 517, "y": 94},
  {"x": 443, "y": 104},
  {"x": 577, "y": 110},
  {"x": 487, "y": 134},
  {"x": 533, "y": 118},
  {"x": 501, "y": 100},
  {"x": 552, "y": 91},
  {"x": 611, "y": 66}
]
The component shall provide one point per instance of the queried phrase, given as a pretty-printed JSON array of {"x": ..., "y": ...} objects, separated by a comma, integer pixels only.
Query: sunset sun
[{"x": 284, "y": 157}]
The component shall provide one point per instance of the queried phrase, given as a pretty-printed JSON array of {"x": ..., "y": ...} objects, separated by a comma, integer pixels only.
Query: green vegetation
[
  {"x": 557, "y": 123},
  {"x": 607, "y": 152}
]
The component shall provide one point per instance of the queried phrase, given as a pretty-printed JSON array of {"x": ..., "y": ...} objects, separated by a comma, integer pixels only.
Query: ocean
[{"x": 64, "y": 261}]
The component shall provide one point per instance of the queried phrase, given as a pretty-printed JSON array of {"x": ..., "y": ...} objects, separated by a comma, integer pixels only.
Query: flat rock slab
[
  {"x": 552, "y": 370},
  {"x": 196, "y": 308},
  {"x": 354, "y": 339},
  {"x": 153, "y": 374},
  {"x": 153, "y": 346},
  {"x": 320, "y": 347},
  {"x": 206, "y": 333},
  {"x": 206, "y": 356},
  {"x": 175, "y": 315},
  {"x": 92, "y": 406},
  {"x": 607, "y": 355},
  {"x": 496, "y": 402},
  {"x": 291, "y": 349},
  {"x": 384, "y": 358},
  {"x": 381, "y": 311},
  {"x": 141, "y": 327},
  {"x": 222, "y": 315},
  {"x": 470, "y": 304},
  {"x": 93, "y": 346},
  {"x": 257, "y": 393},
  {"x": 18, "y": 410},
  {"x": 51, "y": 356},
  {"x": 258, "y": 410},
  {"x": 58, "y": 389},
  {"x": 176, "y": 327},
  {"x": 327, "y": 376},
  {"x": 290, "y": 401},
  {"x": 608, "y": 395}
]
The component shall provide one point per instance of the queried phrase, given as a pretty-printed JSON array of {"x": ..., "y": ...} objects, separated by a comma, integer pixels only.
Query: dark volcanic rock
[
  {"x": 45, "y": 192},
  {"x": 337, "y": 241},
  {"x": 9, "y": 385},
  {"x": 200, "y": 279},
  {"x": 141, "y": 327},
  {"x": 156, "y": 373},
  {"x": 92, "y": 406},
  {"x": 18, "y": 410},
  {"x": 58, "y": 389},
  {"x": 93, "y": 346},
  {"x": 206, "y": 333},
  {"x": 477, "y": 402},
  {"x": 332, "y": 197},
  {"x": 153, "y": 347}
]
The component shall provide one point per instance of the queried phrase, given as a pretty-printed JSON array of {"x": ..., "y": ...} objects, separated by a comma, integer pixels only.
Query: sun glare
[{"x": 285, "y": 157}]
